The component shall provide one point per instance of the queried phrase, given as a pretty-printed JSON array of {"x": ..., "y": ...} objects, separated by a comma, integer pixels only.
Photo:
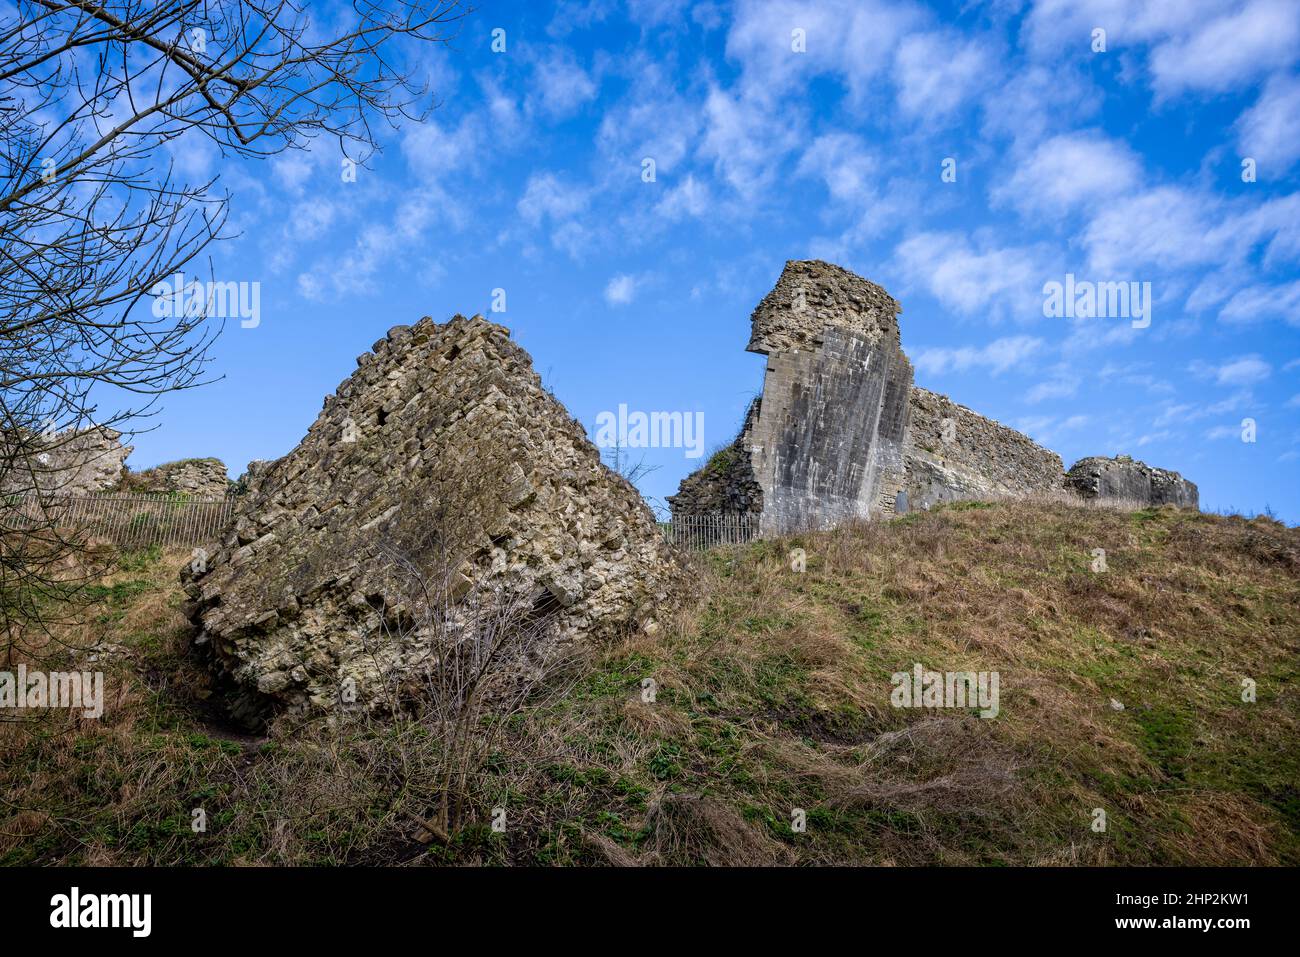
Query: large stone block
[
  {"x": 1124, "y": 479},
  {"x": 444, "y": 450},
  {"x": 816, "y": 469}
]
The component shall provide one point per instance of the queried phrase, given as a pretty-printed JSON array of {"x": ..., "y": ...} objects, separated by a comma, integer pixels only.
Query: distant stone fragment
[
  {"x": 75, "y": 462},
  {"x": 1125, "y": 479},
  {"x": 444, "y": 450},
  {"x": 197, "y": 478}
]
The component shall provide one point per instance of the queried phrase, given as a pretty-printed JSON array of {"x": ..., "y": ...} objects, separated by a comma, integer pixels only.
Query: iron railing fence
[
  {"x": 698, "y": 532},
  {"x": 129, "y": 521}
]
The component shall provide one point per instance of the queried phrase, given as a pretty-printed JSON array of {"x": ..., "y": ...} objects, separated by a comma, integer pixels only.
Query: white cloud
[
  {"x": 651, "y": 13},
  {"x": 1168, "y": 226},
  {"x": 745, "y": 138},
  {"x": 545, "y": 196},
  {"x": 1241, "y": 371},
  {"x": 998, "y": 356},
  {"x": 376, "y": 245},
  {"x": 1037, "y": 99},
  {"x": 657, "y": 123},
  {"x": 852, "y": 39},
  {"x": 620, "y": 290},
  {"x": 690, "y": 197},
  {"x": 508, "y": 121},
  {"x": 844, "y": 163},
  {"x": 1223, "y": 432},
  {"x": 1068, "y": 171},
  {"x": 1255, "y": 303},
  {"x": 1151, "y": 437},
  {"x": 433, "y": 151},
  {"x": 292, "y": 169},
  {"x": 1187, "y": 412},
  {"x": 1230, "y": 50},
  {"x": 1045, "y": 429},
  {"x": 1194, "y": 45},
  {"x": 970, "y": 280},
  {"x": 1054, "y": 24},
  {"x": 309, "y": 218},
  {"x": 1062, "y": 385},
  {"x": 561, "y": 85},
  {"x": 1269, "y": 132},
  {"x": 937, "y": 72}
]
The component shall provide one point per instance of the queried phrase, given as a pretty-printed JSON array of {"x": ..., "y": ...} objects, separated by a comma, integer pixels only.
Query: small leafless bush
[{"x": 484, "y": 651}]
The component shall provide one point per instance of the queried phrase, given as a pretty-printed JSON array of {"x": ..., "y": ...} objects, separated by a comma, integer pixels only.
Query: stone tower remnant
[{"x": 841, "y": 432}]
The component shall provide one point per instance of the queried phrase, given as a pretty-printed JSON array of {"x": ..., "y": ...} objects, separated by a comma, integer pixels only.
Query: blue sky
[{"x": 1122, "y": 165}]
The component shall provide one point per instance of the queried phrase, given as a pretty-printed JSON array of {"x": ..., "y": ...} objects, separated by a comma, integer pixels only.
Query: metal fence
[
  {"x": 697, "y": 532},
  {"x": 129, "y": 521}
]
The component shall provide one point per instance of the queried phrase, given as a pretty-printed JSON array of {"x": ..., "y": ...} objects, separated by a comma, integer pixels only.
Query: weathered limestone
[
  {"x": 813, "y": 471},
  {"x": 954, "y": 454},
  {"x": 833, "y": 357},
  {"x": 727, "y": 482},
  {"x": 812, "y": 295},
  {"x": 1126, "y": 479},
  {"x": 840, "y": 432},
  {"x": 198, "y": 478},
  {"x": 76, "y": 462},
  {"x": 442, "y": 448}
]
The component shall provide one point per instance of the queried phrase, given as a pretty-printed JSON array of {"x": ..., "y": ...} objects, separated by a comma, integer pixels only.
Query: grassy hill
[{"x": 1120, "y": 690}]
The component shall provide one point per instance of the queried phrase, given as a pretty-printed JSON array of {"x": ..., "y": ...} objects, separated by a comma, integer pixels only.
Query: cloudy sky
[{"x": 791, "y": 129}]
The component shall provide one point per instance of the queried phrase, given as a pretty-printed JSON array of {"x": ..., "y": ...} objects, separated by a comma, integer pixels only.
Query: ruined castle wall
[
  {"x": 1124, "y": 479},
  {"x": 200, "y": 478},
  {"x": 954, "y": 453},
  {"x": 813, "y": 295},
  {"x": 841, "y": 432},
  {"x": 828, "y": 443},
  {"x": 75, "y": 462},
  {"x": 726, "y": 484},
  {"x": 444, "y": 450}
]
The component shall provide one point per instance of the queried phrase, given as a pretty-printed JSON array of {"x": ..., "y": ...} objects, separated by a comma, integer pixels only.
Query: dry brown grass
[{"x": 771, "y": 694}]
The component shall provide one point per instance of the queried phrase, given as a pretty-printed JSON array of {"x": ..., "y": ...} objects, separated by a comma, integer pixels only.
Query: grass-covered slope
[{"x": 1119, "y": 689}]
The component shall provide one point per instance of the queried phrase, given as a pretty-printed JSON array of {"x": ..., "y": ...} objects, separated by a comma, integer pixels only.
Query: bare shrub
[{"x": 485, "y": 650}]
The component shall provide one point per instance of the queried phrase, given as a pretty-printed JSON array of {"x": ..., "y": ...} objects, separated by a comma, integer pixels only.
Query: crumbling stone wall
[
  {"x": 444, "y": 448},
  {"x": 840, "y": 432},
  {"x": 75, "y": 462},
  {"x": 197, "y": 478},
  {"x": 954, "y": 453},
  {"x": 726, "y": 484},
  {"x": 813, "y": 295},
  {"x": 1123, "y": 478},
  {"x": 815, "y": 472}
]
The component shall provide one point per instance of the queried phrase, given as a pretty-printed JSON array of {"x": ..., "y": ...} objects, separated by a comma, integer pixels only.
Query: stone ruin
[
  {"x": 841, "y": 432},
  {"x": 73, "y": 462},
  {"x": 1123, "y": 478},
  {"x": 79, "y": 462},
  {"x": 442, "y": 450},
  {"x": 196, "y": 478}
]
